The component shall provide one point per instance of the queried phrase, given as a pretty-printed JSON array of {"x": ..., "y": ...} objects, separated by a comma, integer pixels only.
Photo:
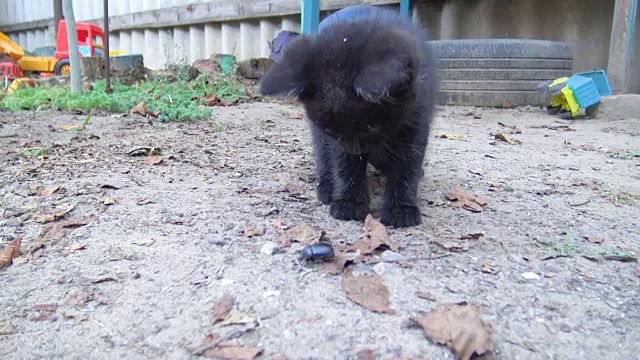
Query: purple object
[{"x": 278, "y": 44}]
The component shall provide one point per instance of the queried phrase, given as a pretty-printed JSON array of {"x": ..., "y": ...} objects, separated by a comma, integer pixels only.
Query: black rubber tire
[
  {"x": 498, "y": 72},
  {"x": 59, "y": 65}
]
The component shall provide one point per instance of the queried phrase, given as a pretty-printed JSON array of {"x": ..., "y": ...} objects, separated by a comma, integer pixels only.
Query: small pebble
[
  {"x": 531, "y": 276},
  {"x": 391, "y": 256},
  {"x": 565, "y": 328},
  {"x": 270, "y": 248},
  {"x": 218, "y": 242},
  {"x": 362, "y": 269},
  {"x": 136, "y": 275}
]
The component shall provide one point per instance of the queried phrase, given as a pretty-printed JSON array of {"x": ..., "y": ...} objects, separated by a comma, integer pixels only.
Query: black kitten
[{"x": 368, "y": 84}]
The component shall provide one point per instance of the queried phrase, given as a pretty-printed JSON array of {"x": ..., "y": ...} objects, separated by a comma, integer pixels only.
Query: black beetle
[{"x": 316, "y": 251}]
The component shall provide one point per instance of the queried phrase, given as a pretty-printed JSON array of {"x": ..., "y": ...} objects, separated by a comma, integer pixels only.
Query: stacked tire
[{"x": 499, "y": 72}]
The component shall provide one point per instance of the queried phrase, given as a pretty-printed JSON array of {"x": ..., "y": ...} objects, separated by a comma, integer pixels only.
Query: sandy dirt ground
[{"x": 133, "y": 257}]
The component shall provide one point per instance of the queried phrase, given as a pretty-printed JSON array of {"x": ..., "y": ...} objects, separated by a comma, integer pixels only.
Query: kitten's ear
[
  {"x": 288, "y": 76},
  {"x": 377, "y": 81},
  {"x": 388, "y": 69}
]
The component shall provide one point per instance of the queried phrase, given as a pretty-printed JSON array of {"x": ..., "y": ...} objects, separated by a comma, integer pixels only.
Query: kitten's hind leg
[
  {"x": 324, "y": 175},
  {"x": 351, "y": 194}
]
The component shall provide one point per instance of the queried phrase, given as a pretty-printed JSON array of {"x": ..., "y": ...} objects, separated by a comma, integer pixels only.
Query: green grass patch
[{"x": 179, "y": 100}]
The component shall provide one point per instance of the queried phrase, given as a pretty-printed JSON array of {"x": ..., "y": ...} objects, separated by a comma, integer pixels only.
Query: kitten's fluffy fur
[{"x": 368, "y": 86}]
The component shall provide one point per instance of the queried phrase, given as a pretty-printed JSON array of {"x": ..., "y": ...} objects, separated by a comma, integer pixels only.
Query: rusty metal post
[{"x": 107, "y": 64}]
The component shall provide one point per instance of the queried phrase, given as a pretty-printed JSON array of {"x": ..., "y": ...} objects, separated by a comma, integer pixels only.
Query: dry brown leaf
[
  {"x": 253, "y": 231},
  {"x": 490, "y": 269},
  {"x": 510, "y": 129},
  {"x": 296, "y": 116},
  {"x": 452, "y": 245},
  {"x": 279, "y": 225},
  {"x": 6, "y": 327},
  {"x": 76, "y": 315},
  {"x": 53, "y": 215},
  {"x": 295, "y": 189},
  {"x": 10, "y": 252},
  {"x": 222, "y": 308},
  {"x": 505, "y": 138},
  {"x": 155, "y": 113},
  {"x": 303, "y": 233},
  {"x": 472, "y": 236},
  {"x": 238, "y": 318},
  {"x": 52, "y": 233},
  {"x": 594, "y": 239},
  {"x": 153, "y": 160},
  {"x": 141, "y": 200},
  {"x": 375, "y": 235},
  {"x": 495, "y": 187},
  {"x": 229, "y": 351},
  {"x": 366, "y": 354},
  {"x": 74, "y": 247},
  {"x": 368, "y": 291},
  {"x": 79, "y": 223},
  {"x": 466, "y": 200},
  {"x": 49, "y": 191},
  {"x": 449, "y": 136},
  {"x": 460, "y": 327},
  {"x": 342, "y": 257},
  {"x": 69, "y": 127},
  {"x": 140, "y": 109}
]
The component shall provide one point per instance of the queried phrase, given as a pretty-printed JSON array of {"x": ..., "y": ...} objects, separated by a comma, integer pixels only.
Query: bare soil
[{"x": 141, "y": 279}]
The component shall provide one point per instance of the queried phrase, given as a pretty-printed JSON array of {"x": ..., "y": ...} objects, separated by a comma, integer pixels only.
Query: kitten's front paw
[
  {"x": 401, "y": 216},
  {"x": 324, "y": 189},
  {"x": 348, "y": 210}
]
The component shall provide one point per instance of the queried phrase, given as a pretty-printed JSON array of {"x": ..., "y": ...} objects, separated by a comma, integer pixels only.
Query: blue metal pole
[
  {"x": 310, "y": 16},
  {"x": 406, "y": 7}
]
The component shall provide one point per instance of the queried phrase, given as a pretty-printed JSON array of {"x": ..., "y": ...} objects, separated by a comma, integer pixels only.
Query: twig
[
  {"x": 102, "y": 326},
  {"x": 230, "y": 336},
  {"x": 581, "y": 203},
  {"x": 192, "y": 271}
]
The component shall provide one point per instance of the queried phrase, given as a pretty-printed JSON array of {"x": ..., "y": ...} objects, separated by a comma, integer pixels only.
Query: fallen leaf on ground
[
  {"x": 366, "y": 354},
  {"x": 153, "y": 160},
  {"x": 49, "y": 191},
  {"x": 74, "y": 247},
  {"x": 54, "y": 215},
  {"x": 46, "y": 311},
  {"x": 449, "y": 136},
  {"x": 253, "y": 231},
  {"x": 279, "y": 225},
  {"x": 79, "y": 223},
  {"x": 214, "y": 100},
  {"x": 496, "y": 187},
  {"x": 155, "y": 113},
  {"x": 460, "y": 327},
  {"x": 490, "y": 269},
  {"x": 295, "y": 189},
  {"x": 71, "y": 127},
  {"x": 475, "y": 116},
  {"x": 229, "y": 351},
  {"x": 52, "y": 233},
  {"x": 465, "y": 200},
  {"x": 375, "y": 235},
  {"x": 368, "y": 291},
  {"x": 585, "y": 147},
  {"x": 505, "y": 138},
  {"x": 303, "y": 233},
  {"x": 106, "y": 201},
  {"x": 10, "y": 252},
  {"x": 452, "y": 245},
  {"x": 238, "y": 318},
  {"x": 144, "y": 242},
  {"x": 79, "y": 297},
  {"x": 144, "y": 201},
  {"x": 6, "y": 327},
  {"x": 638, "y": 272},
  {"x": 511, "y": 129},
  {"x": 141, "y": 109},
  {"x": 474, "y": 236},
  {"x": 296, "y": 116},
  {"x": 594, "y": 239},
  {"x": 425, "y": 295},
  {"x": 76, "y": 315},
  {"x": 222, "y": 308},
  {"x": 342, "y": 257}
]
